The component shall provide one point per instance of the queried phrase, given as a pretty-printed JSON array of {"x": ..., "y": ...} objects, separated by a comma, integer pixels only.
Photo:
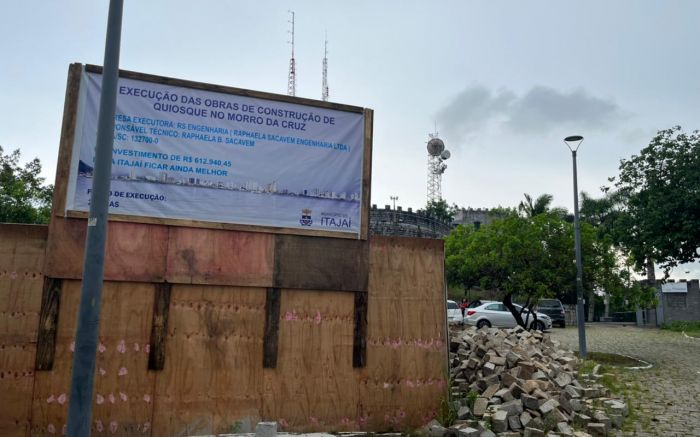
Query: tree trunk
[
  {"x": 591, "y": 305},
  {"x": 651, "y": 273},
  {"x": 531, "y": 317}
]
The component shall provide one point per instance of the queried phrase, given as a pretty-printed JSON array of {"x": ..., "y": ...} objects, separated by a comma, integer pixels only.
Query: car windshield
[
  {"x": 452, "y": 306},
  {"x": 549, "y": 304}
]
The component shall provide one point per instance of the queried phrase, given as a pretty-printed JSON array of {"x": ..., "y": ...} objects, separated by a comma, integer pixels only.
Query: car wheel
[
  {"x": 538, "y": 326},
  {"x": 483, "y": 323}
]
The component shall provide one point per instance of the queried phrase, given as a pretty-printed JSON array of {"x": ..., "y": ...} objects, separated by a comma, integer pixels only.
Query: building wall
[
  {"x": 399, "y": 223},
  {"x": 682, "y": 306},
  {"x": 475, "y": 217},
  {"x": 407, "y": 223}
]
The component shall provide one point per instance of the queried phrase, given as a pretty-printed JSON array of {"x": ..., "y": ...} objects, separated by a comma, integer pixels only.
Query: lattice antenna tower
[
  {"x": 437, "y": 155},
  {"x": 324, "y": 83},
  {"x": 292, "y": 79}
]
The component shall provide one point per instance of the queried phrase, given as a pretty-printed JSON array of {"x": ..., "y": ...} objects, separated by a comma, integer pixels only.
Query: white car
[
  {"x": 496, "y": 314},
  {"x": 454, "y": 314}
]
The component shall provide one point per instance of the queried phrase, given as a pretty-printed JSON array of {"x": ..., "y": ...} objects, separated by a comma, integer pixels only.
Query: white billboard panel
[
  {"x": 674, "y": 287},
  {"x": 193, "y": 154}
]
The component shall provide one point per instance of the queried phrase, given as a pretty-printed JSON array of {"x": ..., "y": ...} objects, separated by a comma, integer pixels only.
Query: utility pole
[{"x": 84, "y": 357}]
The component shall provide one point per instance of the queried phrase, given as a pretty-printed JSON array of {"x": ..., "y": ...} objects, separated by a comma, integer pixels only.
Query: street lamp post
[{"x": 580, "y": 317}]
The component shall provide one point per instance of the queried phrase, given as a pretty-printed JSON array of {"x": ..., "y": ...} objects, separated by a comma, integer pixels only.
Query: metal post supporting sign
[{"x": 80, "y": 401}]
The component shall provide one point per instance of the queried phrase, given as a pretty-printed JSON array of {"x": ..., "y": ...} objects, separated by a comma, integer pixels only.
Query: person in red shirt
[{"x": 463, "y": 305}]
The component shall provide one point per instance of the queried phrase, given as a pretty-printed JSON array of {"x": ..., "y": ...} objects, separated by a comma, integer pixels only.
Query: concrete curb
[
  {"x": 688, "y": 336},
  {"x": 646, "y": 366}
]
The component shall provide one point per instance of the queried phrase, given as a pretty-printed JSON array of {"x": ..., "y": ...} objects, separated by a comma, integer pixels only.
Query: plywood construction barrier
[
  {"x": 206, "y": 331},
  {"x": 289, "y": 311}
]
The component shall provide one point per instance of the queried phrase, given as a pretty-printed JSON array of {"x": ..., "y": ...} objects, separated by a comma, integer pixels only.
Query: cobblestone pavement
[{"x": 667, "y": 396}]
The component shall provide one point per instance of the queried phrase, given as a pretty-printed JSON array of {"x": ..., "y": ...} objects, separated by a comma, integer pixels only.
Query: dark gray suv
[{"x": 554, "y": 309}]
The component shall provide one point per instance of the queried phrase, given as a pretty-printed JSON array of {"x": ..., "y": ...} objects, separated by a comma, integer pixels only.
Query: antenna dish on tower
[
  {"x": 435, "y": 146},
  {"x": 437, "y": 155}
]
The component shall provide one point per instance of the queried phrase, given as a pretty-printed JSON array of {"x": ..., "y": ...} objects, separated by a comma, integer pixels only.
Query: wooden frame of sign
[{"x": 65, "y": 154}]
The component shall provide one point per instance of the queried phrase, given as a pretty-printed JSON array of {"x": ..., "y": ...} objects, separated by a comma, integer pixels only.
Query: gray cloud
[{"x": 538, "y": 111}]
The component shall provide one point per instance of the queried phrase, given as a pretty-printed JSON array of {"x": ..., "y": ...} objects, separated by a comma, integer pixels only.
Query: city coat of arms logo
[{"x": 306, "y": 217}]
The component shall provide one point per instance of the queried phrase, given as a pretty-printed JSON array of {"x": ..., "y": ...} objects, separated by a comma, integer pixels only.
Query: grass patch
[
  {"x": 623, "y": 383},
  {"x": 690, "y": 328},
  {"x": 614, "y": 360}
]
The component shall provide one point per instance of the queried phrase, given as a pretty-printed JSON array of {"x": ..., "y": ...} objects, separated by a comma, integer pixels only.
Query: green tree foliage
[
  {"x": 530, "y": 258},
  {"x": 531, "y": 208},
  {"x": 543, "y": 204},
  {"x": 23, "y": 197},
  {"x": 440, "y": 210},
  {"x": 660, "y": 191}
]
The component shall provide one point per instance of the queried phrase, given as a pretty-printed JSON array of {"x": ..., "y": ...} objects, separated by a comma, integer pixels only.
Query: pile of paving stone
[{"x": 515, "y": 382}]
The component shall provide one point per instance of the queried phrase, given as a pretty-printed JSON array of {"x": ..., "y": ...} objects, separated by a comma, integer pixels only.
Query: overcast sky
[{"x": 504, "y": 81}]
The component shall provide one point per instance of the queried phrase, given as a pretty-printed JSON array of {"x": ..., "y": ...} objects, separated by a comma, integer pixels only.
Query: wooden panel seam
[
  {"x": 48, "y": 324},
  {"x": 159, "y": 327},
  {"x": 271, "y": 335}
]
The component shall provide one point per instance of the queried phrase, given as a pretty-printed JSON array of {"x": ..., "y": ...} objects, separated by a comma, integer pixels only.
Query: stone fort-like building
[{"x": 409, "y": 223}]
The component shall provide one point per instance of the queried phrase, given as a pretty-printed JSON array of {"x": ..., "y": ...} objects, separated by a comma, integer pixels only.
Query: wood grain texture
[
  {"x": 48, "y": 323},
  {"x": 213, "y": 372},
  {"x": 321, "y": 263},
  {"x": 207, "y": 256},
  {"x": 65, "y": 148},
  {"x": 367, "y": 173},
  {"x": 271, "y": 338},
  {"x": 123, "y": 394},
  {"x": 21, "y": 283},
  {"x": 133, "y": 252},
  {"x": 314, "y": 386},
  {"x": 405, "y": 376},
  {"x": 159, "y": 327}
]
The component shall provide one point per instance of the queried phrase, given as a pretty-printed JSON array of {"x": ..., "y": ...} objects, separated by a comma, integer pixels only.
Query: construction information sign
[{"x": 185, "y": 153}]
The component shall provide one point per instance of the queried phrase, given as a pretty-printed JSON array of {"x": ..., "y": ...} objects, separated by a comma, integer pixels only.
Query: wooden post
[
  {"x": 48, "y": 323},
  {"x": 159, "y": 329},
  {"x": 271, "y": 336},
  {"x": 359, "y": 346}
]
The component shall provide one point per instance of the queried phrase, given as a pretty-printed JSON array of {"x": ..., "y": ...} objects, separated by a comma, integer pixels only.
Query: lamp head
[{"x": 578, "y": 139}]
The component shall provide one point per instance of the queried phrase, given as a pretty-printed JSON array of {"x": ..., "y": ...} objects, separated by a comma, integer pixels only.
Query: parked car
[
  {"x": 554, "y": 309},
  {"x": 496, "y": 314},
  {"x": 454, "y": 314},
  {"x": 475, "y": 303}
]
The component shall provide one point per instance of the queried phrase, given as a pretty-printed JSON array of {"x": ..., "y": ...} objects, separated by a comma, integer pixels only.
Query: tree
[
  {"x": 23, "y": 197},
  {"x": 440, "y": 210},
  {"x": 660, "y": 191},
  {"x": 530, "y": 258},
  {"x": 541, "y": 205},
  {"x": 510, "y": 255},
  {"x": 530, "y": 208}
]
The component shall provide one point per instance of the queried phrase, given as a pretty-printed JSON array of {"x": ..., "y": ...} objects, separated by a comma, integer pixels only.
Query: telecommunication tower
[
  {"x": 292, "y": 79},
  {"x": 324, "y": 84},
  {"x": 437, "y": 155}
]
